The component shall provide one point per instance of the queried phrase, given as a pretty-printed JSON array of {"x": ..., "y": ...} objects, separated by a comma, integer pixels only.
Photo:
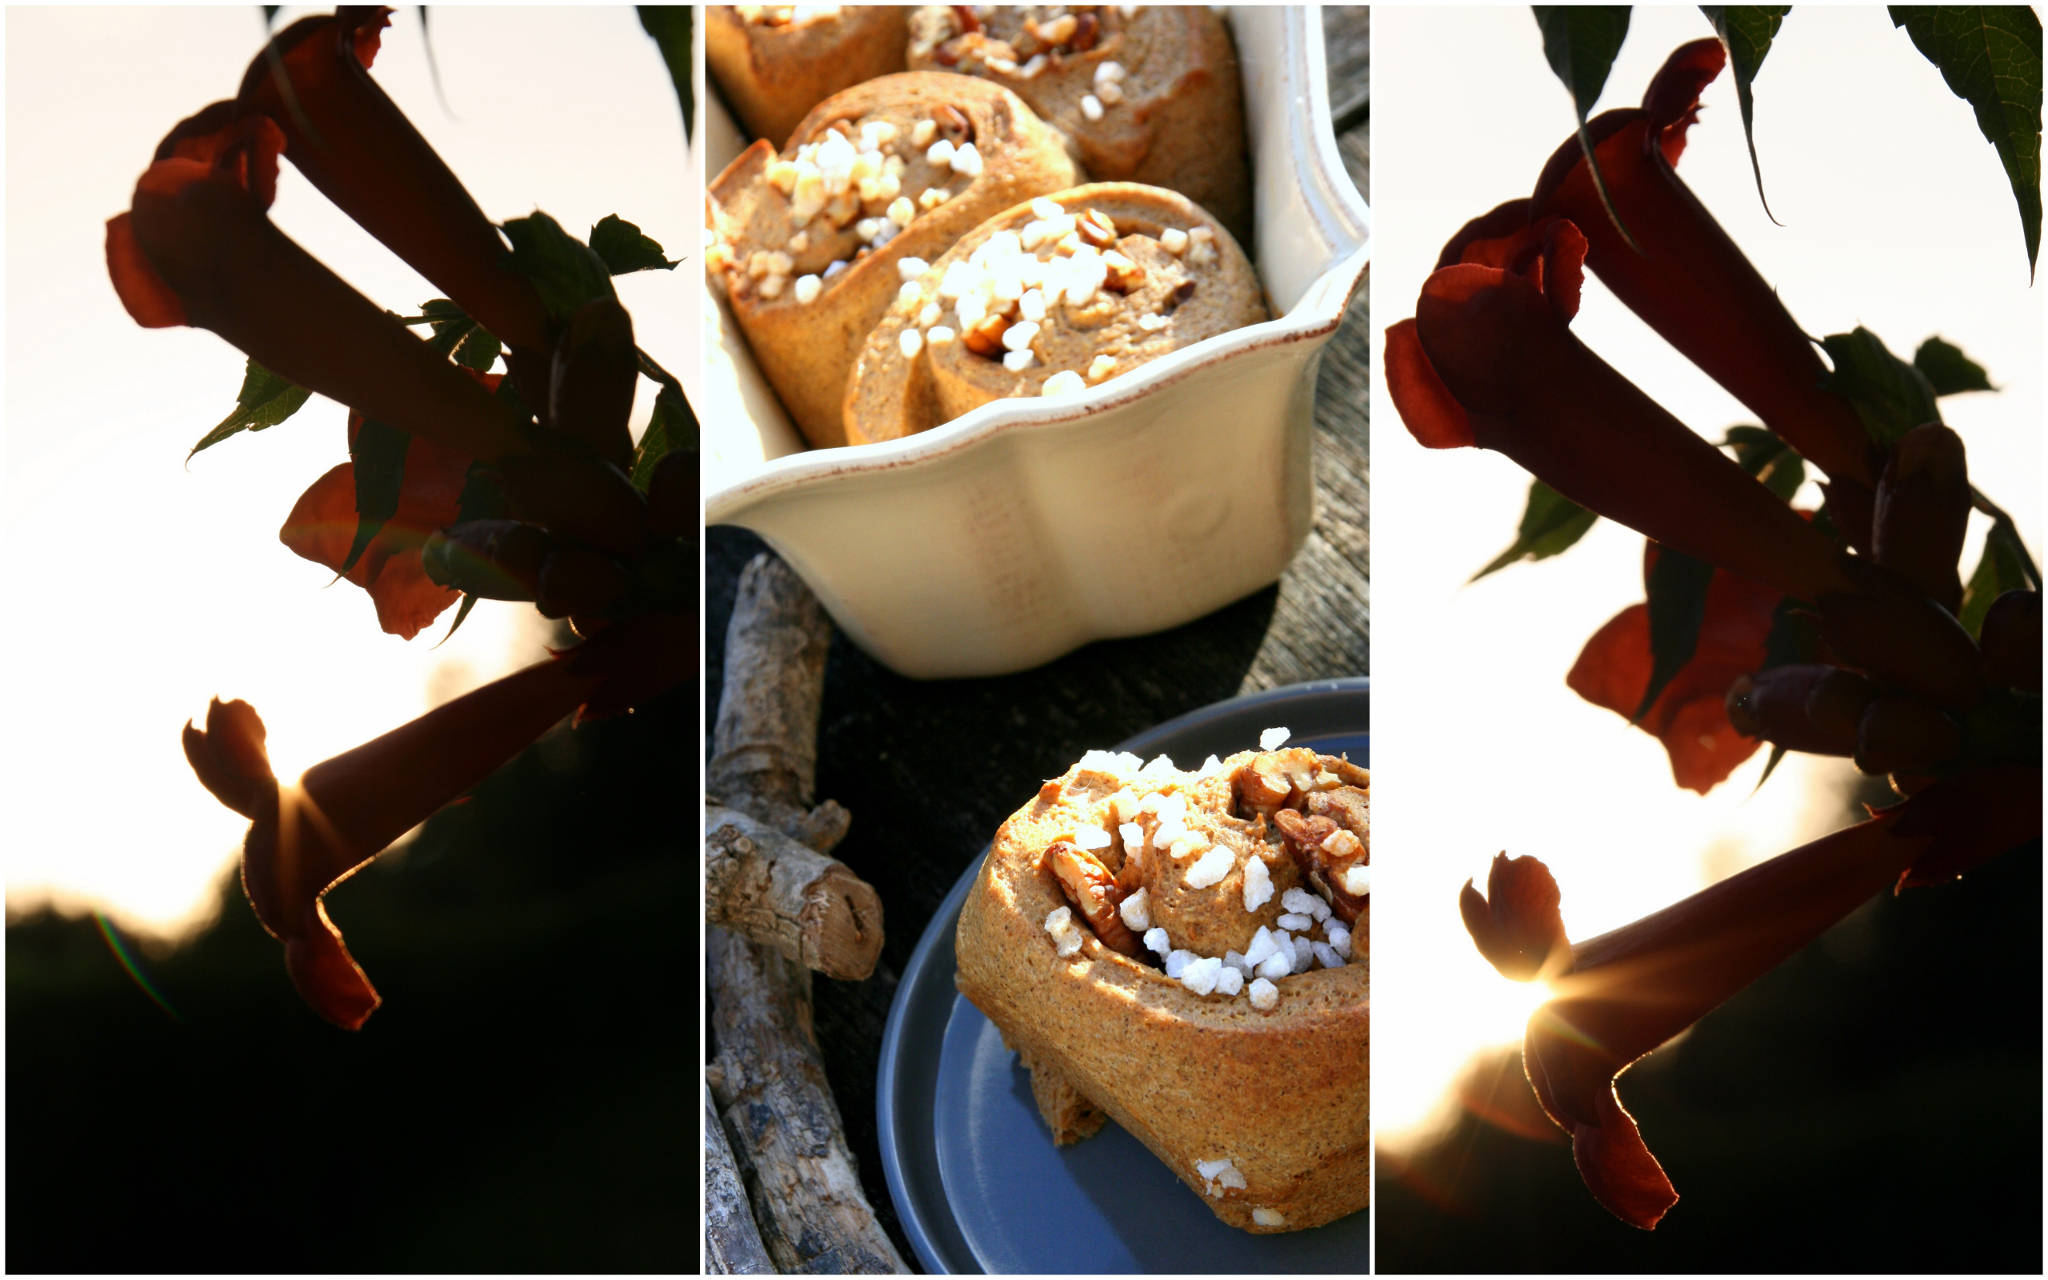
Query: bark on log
[
  {"x": 732, "y": 1243},
  {"x": 772, "y": 1092},
  {"x": 785, "y": 895},
  {"x": 768, "y": 1078},
  {"x": 765, "y": 757}
]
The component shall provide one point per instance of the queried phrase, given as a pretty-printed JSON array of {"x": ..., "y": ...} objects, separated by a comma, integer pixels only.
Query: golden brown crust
[
  {"x": 773, "y": 73},
  {"x": 1206, "y": 288},
  {"x": 1179, "y": 122},
  {"x": 1282, "y": 1094},
  {"x": 806, "y": 349}
]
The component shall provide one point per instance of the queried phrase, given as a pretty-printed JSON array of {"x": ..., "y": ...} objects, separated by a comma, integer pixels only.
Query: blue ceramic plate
[{"x": 976, "y": 1179}]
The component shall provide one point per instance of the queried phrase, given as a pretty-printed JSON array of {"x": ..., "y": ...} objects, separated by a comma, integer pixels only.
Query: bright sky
[
  {"x": 1896, "y": 216},
  {"x": 139, "y": 586}
]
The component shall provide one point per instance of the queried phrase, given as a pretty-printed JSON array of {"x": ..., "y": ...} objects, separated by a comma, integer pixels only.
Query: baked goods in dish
[
  {"x": 1050, "y": 298},
  {"x": 811, "y": 244},
  {"x": 775, "y": 62},
  {"x": 1148, "y": 93},
  {"x": 1241, "y": 1061}
]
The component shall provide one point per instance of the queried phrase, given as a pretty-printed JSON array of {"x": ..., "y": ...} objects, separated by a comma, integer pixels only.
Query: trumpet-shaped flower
[
  {"x": 1489, "y": 360},
  {"x": 1626, "y": 992},
  {"x": 322, "y": 528},
  {"x": 1689, "y": 717},
  {"x": 357, "y": 147},
  {"x": 197, "y": 247},
  {"x": 307, "y": 837},
  {"x": 1687, "y": 279}
]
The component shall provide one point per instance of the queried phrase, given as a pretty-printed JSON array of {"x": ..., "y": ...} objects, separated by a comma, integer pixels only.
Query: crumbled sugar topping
[
  {"x": 807, "y": 289},
  {"x": 1134, "y": 838},
  {"x": 852, "y": 175},
  {"x": 1091, "y": 106},
  {"x": 1258, "y": 884},
  {"x": 1019, "y": 361},
  {"x": 1263, "y": 994},
  {"x": 1302, "y": 902},
  {"x": 1358, "y": 880},
  {"x": 1177, "y": 962},
  {"x": 784, "y": 15},
  {"x": 1201, "y": 975},
  {"x": 938, "y": 335},
  {"x": 1108, "y": 71},
  {"x": 1066, "y": 935},
  {"x": 1295, "y": 923},
  {"x": 1340, "y": 938},
  {"x": 1260, "y": 948},
  {"x": 1155, "y": 941},
  {"x": 1270, "y": 739},
  {"x": 910, "y": 268},
  {"x": 1101, "y": 367},
  {"x": 1136, "y": 911},
  {"x": 1268, "y": 1217},
  {"x": 1093, "y": 838},
  {"x": 1219, "y": 1173},
  {"x": 1211, "y": 868},
  {"x": 1229, "y": 980},
  {"x": 1327, "y": 956},
  {"x": 1064, "y": 383},
  {"x": 911, "y": 342}
]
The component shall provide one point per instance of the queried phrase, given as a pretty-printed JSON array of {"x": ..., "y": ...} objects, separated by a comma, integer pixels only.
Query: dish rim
[
  {"x": 923, "y": 1231},
  {"x": 1317, "y": 315}
]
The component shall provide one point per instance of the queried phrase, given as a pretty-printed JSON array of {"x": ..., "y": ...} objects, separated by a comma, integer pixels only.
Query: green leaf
[
  {"x": 459, "y": 337},
  {"x": 1891, "y": 396},
  {"x": 1770, "y": 767},
  {"x": 1990, "y": 55},
  {"x": 673, "y": 427},
  {"x": 265, "y": 400},
  {"x": 461, "y": 612},
  {"x": 564, "y": 271},
  {"x": 1551, "y": 523},
  {"x": 2001, "y": 569},
  {"x": 1948, "y": 370},
  {"x": 669, "y": 24},
  {"x": 1747, "y": 30},
  {"x": 1677, "y": 590},
  {"x": 1767, "y": 458},
  {"x": 379, "y": 456},
  {"x": 624, "y": 247},
  {"x": 1580, "y": 42}
]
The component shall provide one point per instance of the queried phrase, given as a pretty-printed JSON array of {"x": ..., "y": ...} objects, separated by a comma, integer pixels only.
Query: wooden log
[
  {"x": 765, "y": 757},
  {"x": 783, "y": 894},
  {"x": 732, "y": 1243},
  {"x": 770, "y": 1085},
  {"x": 767, "y": 1076}
]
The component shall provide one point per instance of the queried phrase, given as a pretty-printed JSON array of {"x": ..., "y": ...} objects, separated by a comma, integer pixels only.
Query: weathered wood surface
[
  {"x": 782, "y": 893},
  {"x": 767, "y": 1074},
  {"x": 732, "y": 1243},
  {"x": 931, "y": 769}
]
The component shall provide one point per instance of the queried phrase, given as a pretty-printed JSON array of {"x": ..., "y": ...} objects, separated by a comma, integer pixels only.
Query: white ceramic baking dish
[{"x": 1027, "y": 528}]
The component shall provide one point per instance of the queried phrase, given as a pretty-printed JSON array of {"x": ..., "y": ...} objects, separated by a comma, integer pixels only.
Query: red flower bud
[
  {"x": 1888, "y": 629},
  {"x": 1923, "y": 507},
  {"x": 2011, "y": 640},
  {"x": 1905, "y": 735},
  {"x": 1813, "y": 708}
]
